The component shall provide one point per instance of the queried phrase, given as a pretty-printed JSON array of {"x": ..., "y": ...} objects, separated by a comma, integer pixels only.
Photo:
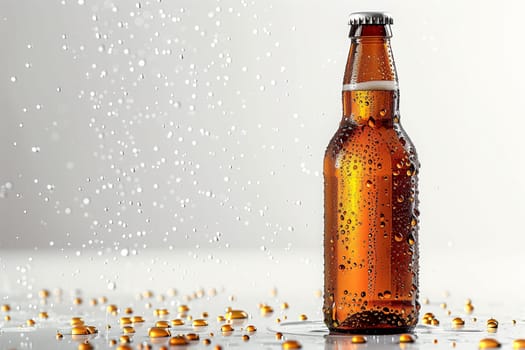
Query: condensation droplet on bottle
[
  {"x": 411, "y": 239},
  {"x": 371, "y": 122}
]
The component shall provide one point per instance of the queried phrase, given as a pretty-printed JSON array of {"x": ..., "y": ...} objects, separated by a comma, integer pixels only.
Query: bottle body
[{"x": 371, "y": 216}]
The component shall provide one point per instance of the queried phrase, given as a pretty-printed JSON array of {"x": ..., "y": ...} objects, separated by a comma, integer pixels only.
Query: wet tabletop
[{"x": 243, "y": 301}]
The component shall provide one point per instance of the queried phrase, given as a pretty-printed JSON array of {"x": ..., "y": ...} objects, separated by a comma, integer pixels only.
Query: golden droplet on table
[
  {"x": 192, "y": 336},
  {"x": 236, "y": 315},
  {"x": 177, "y": 322},
  {"x": 358, "y": 339},
  {"x": 489, "y": 343},
  {"x": 137, "y": 319},
  {"x": 158, "y": 332},
  {"x": 199, "y": 323},
  {"x": 80, "y": 330},
  {"x": 128, "y": 329},
  {"x": 406, "y": 338},
  {"x": 518, "y": 344},
  {"x": 291, "y": 344},
  {"x": 458, "y": 322},
  {"x": 162, "y": 324},
  {"x": 178, "y": 340},
  {"x": 226, "y": 328}
]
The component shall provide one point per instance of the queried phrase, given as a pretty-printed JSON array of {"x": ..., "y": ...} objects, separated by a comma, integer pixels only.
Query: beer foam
[{"x": 372, "y": 85}]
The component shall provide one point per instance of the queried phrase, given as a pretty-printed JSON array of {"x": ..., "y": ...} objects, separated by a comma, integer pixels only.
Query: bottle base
[
  {"x": 370, "y": 331},
  {"x": 372, "y": 322}
]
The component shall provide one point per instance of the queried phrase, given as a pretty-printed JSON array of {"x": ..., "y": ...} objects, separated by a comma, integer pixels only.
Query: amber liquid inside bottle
[{"x": 371, "y": 217}]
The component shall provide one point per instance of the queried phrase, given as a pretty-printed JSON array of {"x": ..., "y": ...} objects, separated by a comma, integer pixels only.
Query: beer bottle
[{"x": 371, "y": 216}]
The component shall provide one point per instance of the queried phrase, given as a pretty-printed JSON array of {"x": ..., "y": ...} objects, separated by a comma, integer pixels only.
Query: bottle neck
[{"x": 370, "y": 88}]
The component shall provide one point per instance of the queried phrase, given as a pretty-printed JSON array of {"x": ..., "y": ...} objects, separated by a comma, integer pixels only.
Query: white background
[{"x": 202, "y": 125}]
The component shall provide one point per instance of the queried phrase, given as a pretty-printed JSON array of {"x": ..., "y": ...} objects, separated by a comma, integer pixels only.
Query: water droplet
[
  {"x": 128, "y": 329},
  {"x": 137, "y": 319},
  {"x": 125, "y": 320},
  {"x": 76, "y": 321},
  {"x": 266, "y": 310},
  {"x": 489, "y": 343},
  {"x": 398, "y": 236},
  {"x": 291, "y": 344},
  {"x": 458, "y": 322},
  {"x": 183, "y": 309},
  {"x": 371, "y": 122},
  {"x": 226, "y": 328},
  {"x": 358, "y": 339},
  {"x": 80, "y": 330},
  {"x": 236, "y": 314},
  {"x": 177, "y": 322},
  {"x": 406, "y": 338},
  {"x": 162, "y": 324},
  {"x": 157, "y": 332},
  {"x": 492, "y": 323},
  {"x": 178, "y": 340},
  {"x": 469, "y": 308},
  {"x": 199, "y": 323},
  {"x": 518, "y": 344},
  {"x": 141, "y": 63},
  {"x": 13, "y": 79},
  {"x": 161, "y": 312}
]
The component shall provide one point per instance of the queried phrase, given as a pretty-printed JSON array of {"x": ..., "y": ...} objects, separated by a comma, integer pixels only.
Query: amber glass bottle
[{"x": 370, "y": 173}]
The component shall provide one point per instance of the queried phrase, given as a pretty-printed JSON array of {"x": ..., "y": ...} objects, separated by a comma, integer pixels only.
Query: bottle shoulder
[{"x": 370, "y": 141}]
